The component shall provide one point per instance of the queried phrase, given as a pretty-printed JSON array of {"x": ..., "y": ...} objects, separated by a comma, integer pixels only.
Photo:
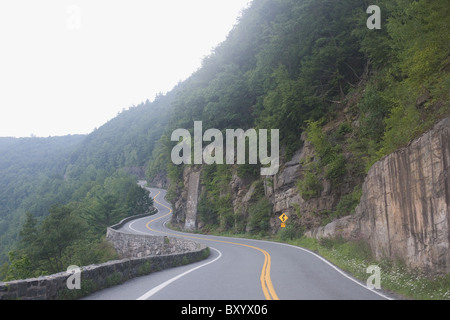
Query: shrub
[
  {"x": 348, "y": 203},
  {"x": 291, "y": 232},
  {"x": 260, "y": 215},
  {"x": 336, "y": 168},
  {"x": 310, "y": 186},
  {"x": 402, "y": 126}
]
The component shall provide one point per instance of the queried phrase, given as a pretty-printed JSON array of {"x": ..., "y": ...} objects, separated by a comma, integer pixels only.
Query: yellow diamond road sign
[{"x": 283, "y": 218}]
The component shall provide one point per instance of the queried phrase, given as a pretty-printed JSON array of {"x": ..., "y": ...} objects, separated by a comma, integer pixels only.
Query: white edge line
[
  {"x": 130, "y": 226},
  {"x": 165, "y": 284},
  {"x": 327, "y": 262},
  {"x": 310, "y": 252},
  {"x": 339, "y": 270}
]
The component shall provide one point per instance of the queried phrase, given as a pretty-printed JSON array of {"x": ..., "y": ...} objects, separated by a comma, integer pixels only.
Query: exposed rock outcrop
[
  {"x": 185, "y": 207},
  {"x": 283, "y": 192},
  {"x": 404, "y": 210},
  {"x": 403, "y": 213},
  {"x": 160, "y": 181}
]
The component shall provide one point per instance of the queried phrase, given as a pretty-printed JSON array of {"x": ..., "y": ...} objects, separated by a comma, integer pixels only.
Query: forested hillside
[
  {"x": 31, "y": 170},
  {"x": 127, "y": 140},
  {"x": 67, "y": 190},
  {"x": 26, "y": 163},
  {"x": 310, "y": 68},
  {"x": 314, "y": 67}
]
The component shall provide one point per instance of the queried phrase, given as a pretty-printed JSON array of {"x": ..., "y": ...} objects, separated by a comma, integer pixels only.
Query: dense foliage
[
  {"x": 313, "y": 66},
  {"x": 74, "y": 233},
  {"x": 56, "y": 200}
]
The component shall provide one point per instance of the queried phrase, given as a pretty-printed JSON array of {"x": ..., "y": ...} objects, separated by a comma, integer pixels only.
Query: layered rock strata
[{"x": 404, "y": 210}]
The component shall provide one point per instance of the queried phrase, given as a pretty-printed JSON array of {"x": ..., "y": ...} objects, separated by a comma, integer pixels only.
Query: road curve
[{"x": 237, "y": 269}]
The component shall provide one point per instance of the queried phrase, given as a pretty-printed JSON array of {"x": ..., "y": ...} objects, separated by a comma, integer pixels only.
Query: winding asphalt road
[{"x": 237, "y": 269}]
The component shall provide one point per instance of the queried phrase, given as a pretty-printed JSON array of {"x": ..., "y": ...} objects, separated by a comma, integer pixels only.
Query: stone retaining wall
[
  {"x": 130, "y": 245},
  {"x": 142, "y": 255},
  {"x": 94, "y": 277}
]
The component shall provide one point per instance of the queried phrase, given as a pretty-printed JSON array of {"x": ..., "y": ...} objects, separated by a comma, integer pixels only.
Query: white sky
[{"x": 67, "y": 67}]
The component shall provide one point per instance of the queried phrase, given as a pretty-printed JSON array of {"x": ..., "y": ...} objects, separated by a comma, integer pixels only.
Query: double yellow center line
[{"x": 266, "y": 282}]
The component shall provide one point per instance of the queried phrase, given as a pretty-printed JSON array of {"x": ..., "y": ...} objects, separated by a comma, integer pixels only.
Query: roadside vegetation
[
  {"x": 74, "y": 233},
  {"x": 355, "y": 258}
]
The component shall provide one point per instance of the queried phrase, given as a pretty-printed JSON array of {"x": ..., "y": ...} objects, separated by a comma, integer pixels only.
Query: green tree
[
  {"x": 139, "y": 201},
  {"x": 56, "y": 234},
  {"x": 104, "y": 211},
  {"x": 402, "y": 125},
  {"x": 29, "y": 232},
  {"x": 206, "y": 211},
  {"x": 259, "y": 213},
  {"x": 19, "y": 267}
]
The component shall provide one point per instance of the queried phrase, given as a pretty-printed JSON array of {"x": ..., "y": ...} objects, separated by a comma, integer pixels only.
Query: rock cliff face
[
  {"x": 403, "y": 213},
  {"x": 283, "y": 192},
  {"x": 185, "y": 207},
  {"x": 160, "y": 181},
  {"x": 404, "y": 210}
]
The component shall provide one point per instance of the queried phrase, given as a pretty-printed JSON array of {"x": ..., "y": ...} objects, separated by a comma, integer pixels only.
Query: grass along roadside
[{"x": 355, "y": 257}]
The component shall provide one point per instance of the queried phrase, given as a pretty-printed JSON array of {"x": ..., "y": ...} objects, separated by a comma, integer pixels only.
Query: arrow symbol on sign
[{"x": 283, "y": 217}]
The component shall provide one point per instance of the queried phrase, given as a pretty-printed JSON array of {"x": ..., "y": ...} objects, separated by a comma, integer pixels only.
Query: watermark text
[
  {"x": 235, "y": 140},
  {"x": 374, "y": 281},
  {"x": 74, "y": 281}
]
